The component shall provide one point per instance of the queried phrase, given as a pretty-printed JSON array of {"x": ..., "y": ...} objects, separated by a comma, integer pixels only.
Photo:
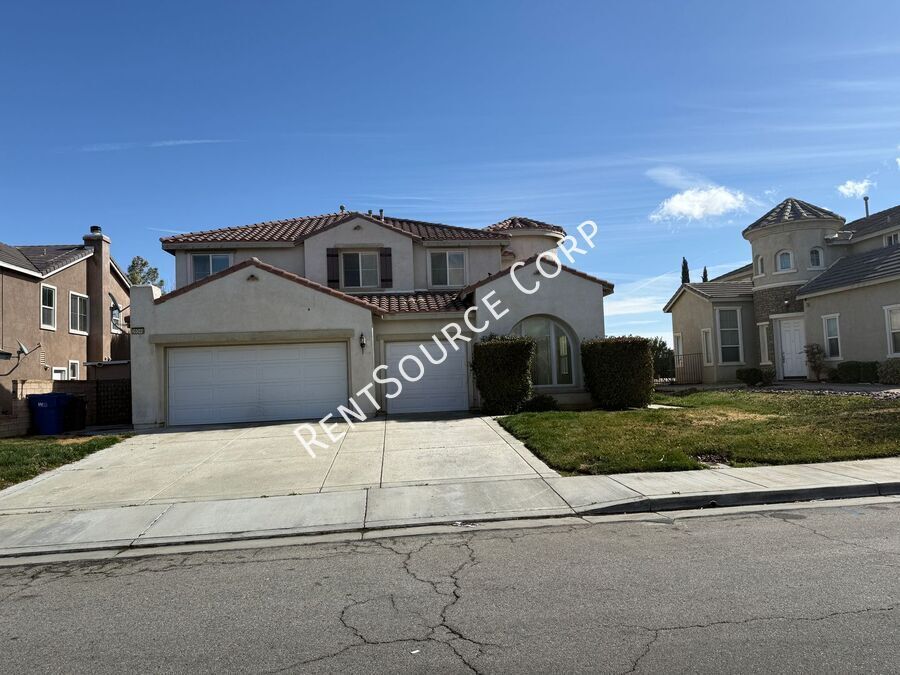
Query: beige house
[
  {"x": 62, "y": 313},
  {"x": 290, "y": 319},
  {"x": 814, "y": 279}
]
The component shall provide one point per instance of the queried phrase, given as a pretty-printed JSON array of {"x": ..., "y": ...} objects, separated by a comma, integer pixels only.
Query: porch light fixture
[{"x": 362, "y": 341}]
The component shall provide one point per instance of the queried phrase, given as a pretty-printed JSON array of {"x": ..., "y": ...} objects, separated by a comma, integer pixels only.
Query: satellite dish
[{"x": 23, "y": 350}]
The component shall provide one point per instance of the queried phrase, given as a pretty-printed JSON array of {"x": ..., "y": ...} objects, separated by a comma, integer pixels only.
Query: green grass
[
  {"x": 737, "y": 428},
  {"x": 24, "y": 458}
]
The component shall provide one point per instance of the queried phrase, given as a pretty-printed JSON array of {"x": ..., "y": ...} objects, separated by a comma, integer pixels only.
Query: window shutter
[
  {"x": 334, "y": 268},
  {"x": 387, "y": 274}
]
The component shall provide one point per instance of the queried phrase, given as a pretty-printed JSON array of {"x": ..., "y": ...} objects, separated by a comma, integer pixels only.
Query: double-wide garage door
[
  {"x": 442, "y": 387},
  {"x": 255, "y": 383}
]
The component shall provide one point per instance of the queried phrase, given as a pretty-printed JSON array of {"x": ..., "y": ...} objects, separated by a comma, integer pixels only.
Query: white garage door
[
  {"x": 255, "y": 383},
  {"x": 443, "y": 387}
]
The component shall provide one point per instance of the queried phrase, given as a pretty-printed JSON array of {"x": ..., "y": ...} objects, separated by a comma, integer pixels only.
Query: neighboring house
[
  {"x": 286, "y": 319},
  {"x": 813, "y": 279},
  {"x": 66, "y": 305}
]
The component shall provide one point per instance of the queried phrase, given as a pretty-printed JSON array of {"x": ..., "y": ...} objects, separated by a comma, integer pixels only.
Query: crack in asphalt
[{"x": 836, "y": 540}]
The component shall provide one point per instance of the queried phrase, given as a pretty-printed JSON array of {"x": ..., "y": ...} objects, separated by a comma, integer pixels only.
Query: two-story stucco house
[
  {"x": 66, "y": 304},
  {"x": 288, "y": 319},
  {"x": 814, "y": 279}
]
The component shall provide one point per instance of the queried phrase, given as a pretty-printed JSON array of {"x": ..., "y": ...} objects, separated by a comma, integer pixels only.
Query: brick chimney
[{"x": 98, "y": 285}]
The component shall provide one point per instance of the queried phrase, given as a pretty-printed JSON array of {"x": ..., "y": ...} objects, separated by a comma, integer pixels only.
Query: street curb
[{"x": 636, "y": 506}]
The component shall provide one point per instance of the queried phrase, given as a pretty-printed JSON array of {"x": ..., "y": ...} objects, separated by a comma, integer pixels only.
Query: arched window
[
  {"x": 784, "y": 261},
  {"x": 553, "y": 362},
  {"x": 760, "y": 266},
  {"x": 816, "y": 257}
]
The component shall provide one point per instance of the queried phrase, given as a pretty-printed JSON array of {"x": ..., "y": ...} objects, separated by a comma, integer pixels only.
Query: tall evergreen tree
[
  {"x": 685, "y": 272},
  {"x": 705, "y": 276}
]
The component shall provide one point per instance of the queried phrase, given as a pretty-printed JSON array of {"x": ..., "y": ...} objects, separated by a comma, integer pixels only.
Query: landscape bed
[
  {"x": 737, "y": 428},
  {"x": 24, "y": 458}
]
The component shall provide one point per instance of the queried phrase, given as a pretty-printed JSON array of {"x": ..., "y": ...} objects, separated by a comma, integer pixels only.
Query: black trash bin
[
  {"x": 75, "y": 413},
  {"x": 47, "y": 413}
]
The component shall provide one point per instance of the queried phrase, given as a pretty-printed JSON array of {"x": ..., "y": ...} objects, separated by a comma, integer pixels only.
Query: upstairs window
[
  {"x": 816, "y": 258},
  {"x": 784, "y": 261},
  {"x": 207, "y": 264},
  {"x": 760, "y": 266},
  {"x": 48, "y": 307},
  {"x": 115, "y": 315},
  {"x": 360, "y": 270},
  {"x": 892, "y": 239},
  {"x": 448, "y": 268},
  {"x": 78, "y": 313}
]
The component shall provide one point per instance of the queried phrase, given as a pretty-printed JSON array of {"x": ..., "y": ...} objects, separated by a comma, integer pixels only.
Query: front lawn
[
  {"x": 24, "y": 458},
  {"x": 734, "y": 427}
]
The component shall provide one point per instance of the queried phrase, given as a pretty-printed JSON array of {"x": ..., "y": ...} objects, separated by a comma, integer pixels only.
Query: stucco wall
[
  {"x": 861, "y": 323},
  {"x": 798, "y": 238},
  {"x": 690, "y": 315},
  {"x": 231, "y": 310},
  {"x": 526, "y": 243}
]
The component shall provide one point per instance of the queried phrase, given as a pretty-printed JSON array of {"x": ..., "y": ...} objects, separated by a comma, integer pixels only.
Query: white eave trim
[
  {"x": 38, "y": 275},
  {"x": 21, "y": 270}
]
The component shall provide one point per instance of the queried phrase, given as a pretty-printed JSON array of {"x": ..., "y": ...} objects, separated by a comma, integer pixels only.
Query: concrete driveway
[{"x": 266, "y": 460}]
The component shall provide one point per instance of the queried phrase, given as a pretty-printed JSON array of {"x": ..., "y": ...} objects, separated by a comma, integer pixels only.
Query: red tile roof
[
  {"x": 522, "y": 223},
  {"x": 295, "y": 230},
  {"x": 419, "y": 301}
]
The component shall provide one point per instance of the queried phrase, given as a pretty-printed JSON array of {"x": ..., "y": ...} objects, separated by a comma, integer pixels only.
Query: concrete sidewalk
[{"x": 150, "y": 525}]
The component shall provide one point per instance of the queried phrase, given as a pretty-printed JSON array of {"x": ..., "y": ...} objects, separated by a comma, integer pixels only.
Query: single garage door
[
  {"x": 255, "y": 383},
  {"x": 443, "y": 387}
]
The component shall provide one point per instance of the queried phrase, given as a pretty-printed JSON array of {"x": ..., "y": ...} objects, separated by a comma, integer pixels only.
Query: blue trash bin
[{"x": 48, "y": 413}]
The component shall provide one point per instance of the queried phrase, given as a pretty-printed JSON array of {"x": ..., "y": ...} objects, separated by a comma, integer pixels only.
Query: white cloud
[
  {"x": 676, "y": 178},
  {"x": 114, "y": 147},
  {"x": 855, "y": 188},
  {"x": 898, "y": 162},
  {"x": 699, "y": 203}
]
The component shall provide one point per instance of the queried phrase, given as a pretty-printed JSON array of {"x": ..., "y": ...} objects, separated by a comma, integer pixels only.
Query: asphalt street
[{"x": 787, "y": 590}]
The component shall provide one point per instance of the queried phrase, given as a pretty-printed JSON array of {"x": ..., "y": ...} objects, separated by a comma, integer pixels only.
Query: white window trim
[
  {"x": 678, "y": 344},
  {"x": 891, "y": 354},
  {"x": 358, "y": 252},
  {"x": 465, "y": 267},
  {"x": 77, "y": 365},
  {"x": 87, "y": 314},
  {"x": 740, "y": 330},
  {"x": 888, "y": 236},
  {"x": 764, "y": 358},
  {"x": 792, "y": 268},
  {"x": 837, "y": 317},
  {"x": 554, "y": 355},
  {"x": 707, "y": 355},
  {"x": 47, "y": 326},
  {"x": 59, "y": 369},
  {"x": 209, "y": 255},
  {"x": 821, "y": 265},
  {"x": 760, "y": 261}
]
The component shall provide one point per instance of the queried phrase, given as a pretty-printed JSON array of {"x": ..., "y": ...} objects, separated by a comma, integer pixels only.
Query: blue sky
[{"x": 672, "y": 125}]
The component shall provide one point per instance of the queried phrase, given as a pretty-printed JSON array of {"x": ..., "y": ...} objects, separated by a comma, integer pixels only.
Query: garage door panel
[
  {"x": 209, "y": 385},
  {"x": 443, "y": 387}
]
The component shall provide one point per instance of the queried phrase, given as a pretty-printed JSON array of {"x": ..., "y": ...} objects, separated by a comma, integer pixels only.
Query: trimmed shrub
[
  {"x": 618, "y": 372},
  {"x": 768, "y": 376},
  {"x": 848, "y": 372},
  {"x": 815, "y": 359},
  {"x": 889, "y": 372},
  {"x": 540, "y": 403},
  {"x": 749, "y": 376},
  {"x": 501, "y": 365},
  {"x": 831, "y": 375},
  {"x": 868, "y": 371}
]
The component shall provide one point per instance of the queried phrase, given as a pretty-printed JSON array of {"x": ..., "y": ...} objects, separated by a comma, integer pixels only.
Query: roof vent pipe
[
  {"x": 343, "y": 208},
  {"x": 866, "y": 200},
  {"x": 370, "y": 212},
  {"x": 96, "y": 229},
  {"x": 381, "y": 214}
]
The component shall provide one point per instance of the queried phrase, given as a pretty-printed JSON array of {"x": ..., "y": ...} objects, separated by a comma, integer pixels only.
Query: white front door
[
  {"x": 255, "y": 383},
  {"x": 442, "y": 387},
  {"x": 793, "y": 338}
]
